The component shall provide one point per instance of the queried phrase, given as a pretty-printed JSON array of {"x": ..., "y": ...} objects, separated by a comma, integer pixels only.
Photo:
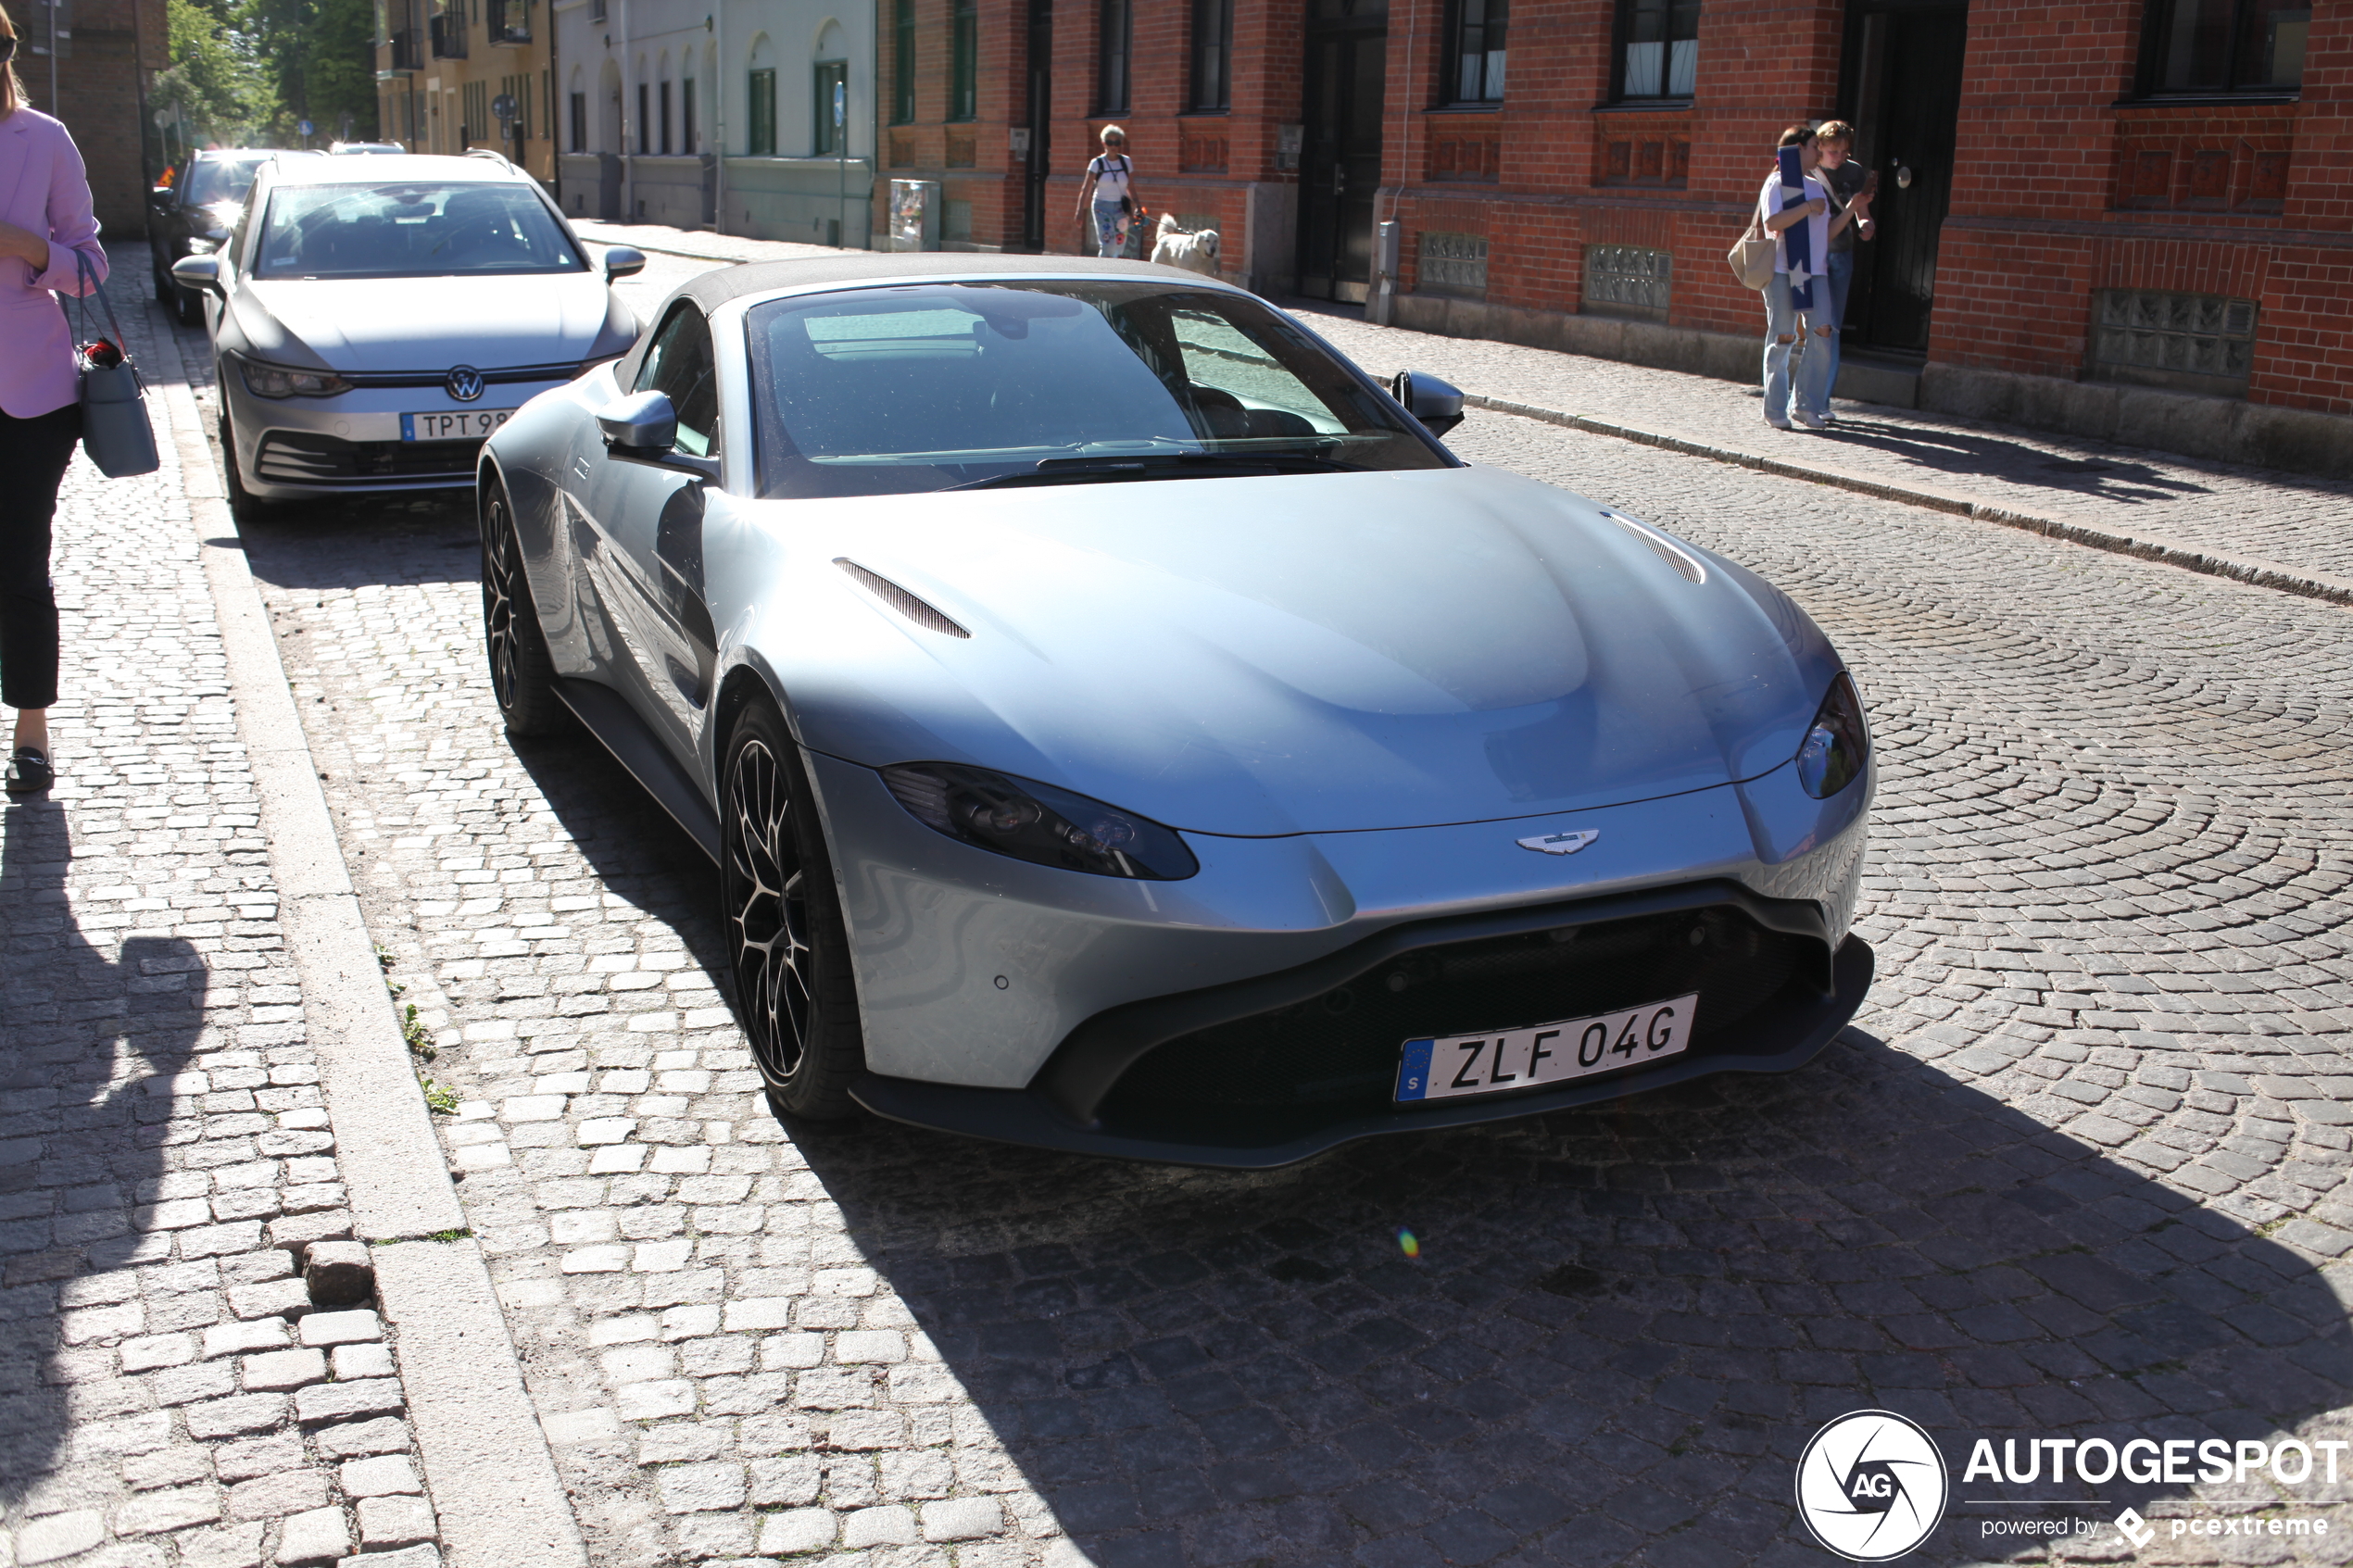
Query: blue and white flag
[{"x": 1798, "y": 238}]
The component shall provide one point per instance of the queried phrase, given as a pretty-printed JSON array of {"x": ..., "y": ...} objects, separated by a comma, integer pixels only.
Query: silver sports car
[{"x": 1121, "y": 726}]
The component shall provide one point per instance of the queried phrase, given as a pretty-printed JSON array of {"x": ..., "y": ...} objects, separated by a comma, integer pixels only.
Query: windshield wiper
[{"x": 1160, "y": 465}]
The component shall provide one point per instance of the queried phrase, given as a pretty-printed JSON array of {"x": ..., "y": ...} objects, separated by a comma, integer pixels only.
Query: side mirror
[
  {"x": 623, "y": 261},
  {"x": 1436, "y": 403},
  {"x": 198, "y": 272},
  {"x": 643, "y": 428}
]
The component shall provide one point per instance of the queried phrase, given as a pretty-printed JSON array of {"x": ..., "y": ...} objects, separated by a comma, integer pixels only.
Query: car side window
[{"x": 679, "y": 363}]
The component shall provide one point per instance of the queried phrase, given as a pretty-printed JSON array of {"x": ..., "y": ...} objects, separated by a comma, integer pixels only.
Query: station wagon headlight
[
  {"x": 1835, "y": 749},
  {"x": 1038, "y": 823},
  {"x": 281, "y": 381}
]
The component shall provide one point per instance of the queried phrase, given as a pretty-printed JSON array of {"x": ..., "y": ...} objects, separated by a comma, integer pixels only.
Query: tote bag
[
  {"x": 1753, "y": 255},
  {"x": 115, "y": 432}
]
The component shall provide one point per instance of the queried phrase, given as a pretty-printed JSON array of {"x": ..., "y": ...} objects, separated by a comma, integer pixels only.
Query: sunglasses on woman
[{"x": 7, "y": 48}]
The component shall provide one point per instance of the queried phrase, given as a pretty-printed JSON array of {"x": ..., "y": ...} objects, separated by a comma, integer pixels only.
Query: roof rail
[{"x": 493, "y": 157}]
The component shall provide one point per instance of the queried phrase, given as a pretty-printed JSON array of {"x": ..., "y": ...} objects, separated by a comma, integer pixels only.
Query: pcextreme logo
[{"x": 1871, "y": 1485}]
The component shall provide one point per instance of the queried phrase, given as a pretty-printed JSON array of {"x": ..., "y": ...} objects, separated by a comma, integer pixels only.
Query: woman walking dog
[
  {"x": 44, "y": 225},
  {"x": 1111, "y": 182}
]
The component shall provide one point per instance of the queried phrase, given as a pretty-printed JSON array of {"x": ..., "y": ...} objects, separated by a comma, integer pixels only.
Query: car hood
[
  {"x": 1269, "y": 656},
  {"x": 431, "y": 324}
]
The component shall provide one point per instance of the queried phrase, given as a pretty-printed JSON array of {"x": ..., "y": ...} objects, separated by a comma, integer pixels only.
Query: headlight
[
  {"x": 277, "y": 381},
  {"x": 1836, "y": 748},
  {"x": 1038, "y": 823}
]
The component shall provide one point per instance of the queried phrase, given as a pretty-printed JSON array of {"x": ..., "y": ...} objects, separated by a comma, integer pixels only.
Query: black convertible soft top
[{"x": 712, "y": 289}]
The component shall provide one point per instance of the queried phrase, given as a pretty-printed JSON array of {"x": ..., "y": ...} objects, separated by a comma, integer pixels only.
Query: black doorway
[
  {"x": 1902, "y": 86},
  {"x": 1037, "y": 165},
  {"x": 1340, "y": 160}
]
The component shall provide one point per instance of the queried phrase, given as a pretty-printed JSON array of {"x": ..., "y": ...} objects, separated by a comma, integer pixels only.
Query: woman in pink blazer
[{"x": 44, "y": 221}]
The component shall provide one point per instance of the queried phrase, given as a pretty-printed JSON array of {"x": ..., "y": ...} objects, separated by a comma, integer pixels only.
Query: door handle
[{"x": 1339, "y": 180}]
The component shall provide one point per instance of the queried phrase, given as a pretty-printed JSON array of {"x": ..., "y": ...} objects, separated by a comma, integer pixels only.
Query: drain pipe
[
  {"x": 719, "y": 113},
  {"x": 629, "y": 127}
]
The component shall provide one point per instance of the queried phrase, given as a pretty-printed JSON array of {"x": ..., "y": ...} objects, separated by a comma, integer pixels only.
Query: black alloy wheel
[
  {"x": 794, "y": 989},
  {"x": 522, "y": 675}
]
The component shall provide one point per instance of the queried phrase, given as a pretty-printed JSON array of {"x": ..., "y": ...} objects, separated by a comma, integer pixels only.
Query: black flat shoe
[{"x": 28, "y": 771}]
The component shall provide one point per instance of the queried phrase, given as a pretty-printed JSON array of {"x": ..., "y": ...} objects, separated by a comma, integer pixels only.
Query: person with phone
[
  {"x": 1850, "y": 188},
  {"x": 1799, "y": 397},
  {"x": 46, "y": 226},
  {"x": 1110, "y": 187}
]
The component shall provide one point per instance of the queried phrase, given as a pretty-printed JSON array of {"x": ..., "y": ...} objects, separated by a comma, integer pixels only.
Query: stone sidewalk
[{"x": 174, "y": 1391}]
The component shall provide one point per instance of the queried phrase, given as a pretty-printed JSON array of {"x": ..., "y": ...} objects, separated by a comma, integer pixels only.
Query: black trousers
[{"x": 33, "y": 454}]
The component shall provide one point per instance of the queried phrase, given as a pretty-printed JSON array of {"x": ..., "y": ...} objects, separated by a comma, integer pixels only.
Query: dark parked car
[{"x": 192, "y": 213}]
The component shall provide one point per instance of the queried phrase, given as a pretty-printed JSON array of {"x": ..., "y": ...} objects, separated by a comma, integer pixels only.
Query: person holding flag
[{"x": 1793, "y": 207}]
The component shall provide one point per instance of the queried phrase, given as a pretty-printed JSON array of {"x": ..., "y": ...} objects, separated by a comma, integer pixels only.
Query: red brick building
[
  {"x": 2102, "y": 217},
  {"x": 110, "y": 50}
]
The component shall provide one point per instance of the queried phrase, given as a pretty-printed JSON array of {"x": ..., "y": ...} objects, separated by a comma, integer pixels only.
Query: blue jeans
[
  {"x": 1811, "y": 392},
  {"x": 1111, "y": 229},
  {"x": 1841, "y": 275}
]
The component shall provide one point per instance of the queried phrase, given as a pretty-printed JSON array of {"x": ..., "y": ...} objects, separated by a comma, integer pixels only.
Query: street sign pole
[{"x": 841, "y": 157}]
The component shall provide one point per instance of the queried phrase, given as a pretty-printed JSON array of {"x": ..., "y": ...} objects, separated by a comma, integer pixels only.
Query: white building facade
[{"x": 747, "y": 117}]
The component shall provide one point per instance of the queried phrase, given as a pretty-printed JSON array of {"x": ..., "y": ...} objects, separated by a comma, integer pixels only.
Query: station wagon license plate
[
  {"x": 1445, "y": 1068},
  {"x": 453, "y": 424}
]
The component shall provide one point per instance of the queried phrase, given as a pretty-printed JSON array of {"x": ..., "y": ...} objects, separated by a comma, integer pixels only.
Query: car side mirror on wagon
[
  {"x": 624, "y": 261},
  {"x": 643, "y": 428},
  {"x": 198, "y": 272},
  {"x": 1436, "y": 403}
]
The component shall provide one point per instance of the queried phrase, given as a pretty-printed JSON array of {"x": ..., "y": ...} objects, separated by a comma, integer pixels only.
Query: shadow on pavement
[
  {"x": 1622, "y": 1325},
  {"x": 87, "y": 1029}
]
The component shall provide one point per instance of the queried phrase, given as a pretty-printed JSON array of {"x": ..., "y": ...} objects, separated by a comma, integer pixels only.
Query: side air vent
[
  {"x": 1690, "y": 566},
  {"x": 901, "y": 599}
]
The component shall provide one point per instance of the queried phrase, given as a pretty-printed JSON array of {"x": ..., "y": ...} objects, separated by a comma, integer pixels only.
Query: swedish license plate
[
  {"x": 453, "y": 424},
  {"x": 1454, "y": 1065}
]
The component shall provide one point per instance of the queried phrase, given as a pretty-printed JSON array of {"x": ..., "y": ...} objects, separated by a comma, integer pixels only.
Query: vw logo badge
[
  {"x": 465, "y": 384},
  {"x": 1871, "y": 1485}
]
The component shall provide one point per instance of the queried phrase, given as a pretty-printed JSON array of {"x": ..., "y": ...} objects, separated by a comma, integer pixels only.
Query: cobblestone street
[{"x": 2076, "y": 1172}]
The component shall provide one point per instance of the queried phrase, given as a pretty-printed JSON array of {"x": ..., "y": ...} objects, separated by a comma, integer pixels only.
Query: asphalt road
[{"x": 2075, "y": 1173}]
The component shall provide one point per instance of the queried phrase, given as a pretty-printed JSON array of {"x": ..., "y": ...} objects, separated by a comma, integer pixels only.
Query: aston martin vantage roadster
[{"x": 1121, "y": 726}]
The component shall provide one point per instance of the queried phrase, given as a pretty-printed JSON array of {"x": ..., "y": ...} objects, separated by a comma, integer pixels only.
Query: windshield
[
  {"x": 926, "y": 386},
  {"x": 410, "y": 231},
  {"x": 220, "y": 180}
]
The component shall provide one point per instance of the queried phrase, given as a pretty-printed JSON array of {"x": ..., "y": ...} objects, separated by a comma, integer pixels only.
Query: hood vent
[
  {"x": 1689, "y": 566},
  {"x": 901, "y": 599}
]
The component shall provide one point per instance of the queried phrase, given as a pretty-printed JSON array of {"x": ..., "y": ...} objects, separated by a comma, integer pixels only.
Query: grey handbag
[{"x": 115, "y": 432}]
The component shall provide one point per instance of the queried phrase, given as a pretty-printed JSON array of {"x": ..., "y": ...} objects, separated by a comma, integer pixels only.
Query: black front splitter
[{"x": 1029, "y": 1118}]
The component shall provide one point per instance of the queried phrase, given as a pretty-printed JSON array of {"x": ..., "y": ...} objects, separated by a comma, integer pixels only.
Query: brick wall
[
  {"x": 99, "y": 98},
  {"x": 2062, "y": 186}
]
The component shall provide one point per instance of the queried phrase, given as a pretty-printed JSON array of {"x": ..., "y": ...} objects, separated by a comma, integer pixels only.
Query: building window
[
  {"x": 686, "y": 127},
  {"x": 1659, "y": 50},
  {"x": 964, "y": 86},
  {"x": 665, "y": 119},
  {"x": 1475, "y": 52},
  {"x": 832, "y": 76},
  {"x": 1629, "y": 281},
  {"x": 903, "y": 62},
  {"x": 2224, "y": 46},
  {"x": 2187, "y": 341},
  {"x": 1452, "y": 264},
  {"x": 645, "y": 121},
  {"x": 580, "y": 123},
  {"x": 1117, "y": 28},
  {"x": 763, "y": 114},
  {"x": 1213, "y": 55}
]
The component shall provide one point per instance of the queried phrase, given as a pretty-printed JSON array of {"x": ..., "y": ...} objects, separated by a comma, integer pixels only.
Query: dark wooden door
[
  {"x": 1040, "y": 97},
  {"x": 1339, "y": 155},
  {"x": 1904, "y": 84}
]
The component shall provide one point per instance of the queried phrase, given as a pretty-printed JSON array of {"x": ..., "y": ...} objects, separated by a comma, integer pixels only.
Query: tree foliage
[
  {"x": 217, "y": 83},
  {"x": 321, "y": 60}
]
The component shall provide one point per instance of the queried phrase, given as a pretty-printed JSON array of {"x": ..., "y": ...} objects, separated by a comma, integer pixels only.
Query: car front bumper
[
  {"x": 1014, "y": 1001},
  {"x": 294, "y": 448}
]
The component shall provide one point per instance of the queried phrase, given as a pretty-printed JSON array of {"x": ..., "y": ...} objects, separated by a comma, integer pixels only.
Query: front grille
[
  {"x": 1337, "y": 1053},
  {"x": 298, "y": 458}
]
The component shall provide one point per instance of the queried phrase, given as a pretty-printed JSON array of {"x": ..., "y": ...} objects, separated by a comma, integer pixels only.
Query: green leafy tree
[
  {"x": 216, "y": 84},
  {"x": 321, "y": 60}
]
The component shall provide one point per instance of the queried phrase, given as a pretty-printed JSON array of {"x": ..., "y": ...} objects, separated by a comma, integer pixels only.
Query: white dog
[{"x": 1176, "y": 245}]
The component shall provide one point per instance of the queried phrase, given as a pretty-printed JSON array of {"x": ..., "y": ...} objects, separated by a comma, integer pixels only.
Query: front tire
[
  {"x": 244, "y": 505},
  {"x": 522, "y": 675},
  {"x": 795, "y": 991}
]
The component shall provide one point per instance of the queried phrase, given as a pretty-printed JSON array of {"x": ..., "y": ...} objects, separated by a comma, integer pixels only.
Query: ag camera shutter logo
[{"x": 1871, "y": 1485}]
